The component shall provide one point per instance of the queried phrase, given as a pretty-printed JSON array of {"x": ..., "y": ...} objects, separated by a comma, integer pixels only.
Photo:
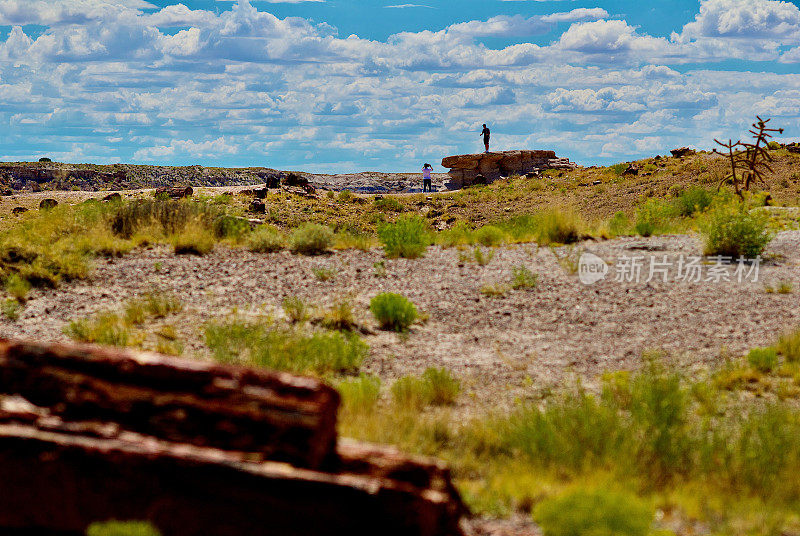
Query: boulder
[
  {"x": 47, "y": 204},
  {"x": 683, "y": 151},
  {"x": 465, "y": 169}
]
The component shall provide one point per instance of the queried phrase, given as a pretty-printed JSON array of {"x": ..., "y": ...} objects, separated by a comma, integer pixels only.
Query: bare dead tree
[{"x": 753, "y": 159}]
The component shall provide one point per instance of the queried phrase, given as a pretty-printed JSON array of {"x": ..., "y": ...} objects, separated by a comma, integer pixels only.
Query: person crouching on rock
[
  {"x": 426, "y": 177},
  {"x": 486, "y": 133}
]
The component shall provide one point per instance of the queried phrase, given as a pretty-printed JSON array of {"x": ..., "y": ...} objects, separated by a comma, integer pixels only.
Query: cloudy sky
[{"x": 349, "y": 85}]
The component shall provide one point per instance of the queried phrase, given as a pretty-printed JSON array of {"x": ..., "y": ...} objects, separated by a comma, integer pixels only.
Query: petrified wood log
[
  {"x": 59, "y": 478},
  {"x": 182, "y": 444},
  {"x": 177, "y": 192},
  {"x": 275, "y": 415}
]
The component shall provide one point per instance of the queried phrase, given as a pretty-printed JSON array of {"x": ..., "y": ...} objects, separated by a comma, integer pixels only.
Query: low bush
[
  {"x": 443, "y": 387},
  {"x": 227, "y": 226},
  {"x": 296, "y": 309},
  {"x": 558, "y": 227},
  {"x": 763, "y": 359},
  {"x": 789, "y": 346},
  {"x": 104, "y": 328},
  {"x": 122, "y": 528},
  {"x": 732, "y": 230},
  {"x": 598, "y": 512},
  {"x": 653, "y": 217},
  {"x": 17, "y": 287},
  {"x": 266, "y": 239},
  {"x": 323, "y": 273},
  {"x": 393, "y": 311},
  {"x": 193, "y": 240},
  {"x": 489, "y": 235},
  {"x": 695, "y": 199},
  {"x": 340, "y": 316},
  {"x": 459, "y": 234},
  {"x": 291, "y": 350},
  {"x": 523, "y": 278},
  {"x": 360, "y": 395},
  {"x": 436, "y": 387},
  {"x": 10, "y": 309},
  {"x": 408, "y": 237},
  {"x": 311, "y": 239},
  {"x": 389, "y": 204},
  {"x": 619, "y": 224}
]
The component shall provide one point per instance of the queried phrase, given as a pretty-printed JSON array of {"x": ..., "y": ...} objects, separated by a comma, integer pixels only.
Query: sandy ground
[{"x": 505, "y": 348}]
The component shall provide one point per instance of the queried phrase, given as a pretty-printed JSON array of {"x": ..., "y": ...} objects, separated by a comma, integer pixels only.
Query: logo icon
[{"x": 591, "y": 269}]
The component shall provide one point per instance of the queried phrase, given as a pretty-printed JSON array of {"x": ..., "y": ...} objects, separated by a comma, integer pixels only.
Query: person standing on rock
[
  {"x": 426, "y": 177},
  {"x": 486, "y": 133}
]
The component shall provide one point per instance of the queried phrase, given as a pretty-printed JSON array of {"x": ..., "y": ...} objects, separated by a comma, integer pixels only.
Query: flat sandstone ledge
[{"x": 483, "y": 168}]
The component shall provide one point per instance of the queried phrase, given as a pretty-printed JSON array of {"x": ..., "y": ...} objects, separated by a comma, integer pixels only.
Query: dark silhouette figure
[
  {"x": 486, "y": 133},
  {"x": 426, "y": 177}
]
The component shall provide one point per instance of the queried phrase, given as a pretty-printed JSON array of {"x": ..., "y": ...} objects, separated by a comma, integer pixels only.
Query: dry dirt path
[{"x": 504, "y": 348}]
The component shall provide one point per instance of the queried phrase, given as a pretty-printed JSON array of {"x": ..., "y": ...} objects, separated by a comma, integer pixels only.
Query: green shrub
[
  {"x": 345, "y": 196},
  {"x": 763, "y": 359},
  {"x": 410, "y": 392},
  {"x": 619, "y": 224},
  {"x": 227, "y": 226},
  {"x": 481, "y": 258},
  {"x": 558, "y": 227},
  {"x": 388, "y": 204},
  {"x": 393, "y": 311},
  {"x": 266, "y": 239},
  {"x": 459, "y": 235},
  {"x": 653, "y": 217},
  {"x": 193, "y": 240},
  {"x": 360, "y": 395},
  {"x": 695, "y": 199},
  {"x": 285, "y": 349},
  {"x": 18, "y": 287},
  {"x": 311, "y": 239},
  {"x": 340, "y": 316},
  {"x": 731, "y": 230},
  {"x": 408, "y": 237},
  {"x": 10, "y": 309},
  {"x": 436, "y": 386},
  {"x": 618, "y": 169},
  {"x": 323, "y": 273},
  {"x": 296, "y": 309},
  {"x": 443, "y": 387},
  {"x": 523, "y": 278},
  {"x": 789, "y": 346},
  {"x": 489, "y": 235},
  {"x": 105, "y": 328},
  {"x": 594, "y": 513},
  {"x": 120, "y": 528}
]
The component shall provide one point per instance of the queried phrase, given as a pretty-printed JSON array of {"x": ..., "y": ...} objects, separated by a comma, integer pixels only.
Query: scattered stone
[
  {"x": 631, "y": 170},
  {"x": 258, "y": 206},
  {"x": 683, "y": 151}
]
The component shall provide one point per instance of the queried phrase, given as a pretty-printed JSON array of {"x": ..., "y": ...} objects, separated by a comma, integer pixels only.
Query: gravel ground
[
  {"x": 504, "y": 348},
  {"x": 512, "y": 347}
]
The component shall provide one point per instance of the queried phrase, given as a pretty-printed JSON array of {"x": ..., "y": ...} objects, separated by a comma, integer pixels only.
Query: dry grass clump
[{"x": 311, "y": 239}]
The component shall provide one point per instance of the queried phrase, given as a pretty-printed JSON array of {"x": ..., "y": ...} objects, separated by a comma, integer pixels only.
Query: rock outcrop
[
  {"x": 197, "y": 449},
  {"x": 469, "y": 169}
]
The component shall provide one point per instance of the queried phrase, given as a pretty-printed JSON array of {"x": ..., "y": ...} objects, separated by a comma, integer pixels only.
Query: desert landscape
[
  {"x": 502, "y": 321},
  {"x": 328, "y": 267}
]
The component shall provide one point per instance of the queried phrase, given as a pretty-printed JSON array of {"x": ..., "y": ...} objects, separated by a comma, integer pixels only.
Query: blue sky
[{"x": 351, "y": 85}]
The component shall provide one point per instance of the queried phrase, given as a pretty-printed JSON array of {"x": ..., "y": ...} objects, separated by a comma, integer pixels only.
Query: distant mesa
[{"x": 469, "y": 169}]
